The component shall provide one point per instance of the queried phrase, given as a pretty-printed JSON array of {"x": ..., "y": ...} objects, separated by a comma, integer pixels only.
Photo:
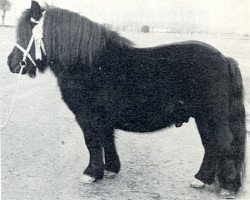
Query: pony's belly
[
  {"x": 144, "y": 124},
  {"x": 139, "y": 129}
]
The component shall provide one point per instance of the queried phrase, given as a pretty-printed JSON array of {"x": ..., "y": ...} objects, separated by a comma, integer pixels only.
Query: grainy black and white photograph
[{"x": 125, "y": 99}]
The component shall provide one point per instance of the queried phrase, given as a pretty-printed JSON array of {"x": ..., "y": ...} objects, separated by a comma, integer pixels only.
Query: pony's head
[
  {"x": 70, "y": 41},
  {"x": 23, "y": 54}
]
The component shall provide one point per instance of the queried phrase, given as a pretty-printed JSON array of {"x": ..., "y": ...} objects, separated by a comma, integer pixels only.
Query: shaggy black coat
[{"x": 109, "y": 84}]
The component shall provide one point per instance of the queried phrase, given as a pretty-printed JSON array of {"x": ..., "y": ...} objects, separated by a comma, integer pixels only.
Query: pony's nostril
[
  {"x": 17, "y": 70},
  {"x": 24, "y": 71}
]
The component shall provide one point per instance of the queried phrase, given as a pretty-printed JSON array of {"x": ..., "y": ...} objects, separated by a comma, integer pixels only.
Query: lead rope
[
  {"x": 22, "y": 65},
  {"x": 14, "y": 97},
  {"x": 36, "y": 37}
]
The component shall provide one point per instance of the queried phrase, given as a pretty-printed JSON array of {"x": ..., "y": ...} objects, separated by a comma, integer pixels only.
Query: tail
[{"x": 237, "y": 116}]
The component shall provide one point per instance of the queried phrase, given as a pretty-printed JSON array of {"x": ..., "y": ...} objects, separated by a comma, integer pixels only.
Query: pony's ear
[{"x": 35, "y": 11}]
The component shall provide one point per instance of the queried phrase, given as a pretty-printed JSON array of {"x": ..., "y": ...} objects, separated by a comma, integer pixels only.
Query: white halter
[{"x": 37, "y": 35}]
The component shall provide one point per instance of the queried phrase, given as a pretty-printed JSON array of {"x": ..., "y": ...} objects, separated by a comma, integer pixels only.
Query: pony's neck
[{"x": 74, "y": 42}]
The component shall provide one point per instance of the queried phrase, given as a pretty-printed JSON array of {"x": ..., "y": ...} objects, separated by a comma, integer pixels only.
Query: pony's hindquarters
[
  {"x": 221, "y": 124},
  {"x": 237, "y": 117},
  {"x": 231, "y": 161}
]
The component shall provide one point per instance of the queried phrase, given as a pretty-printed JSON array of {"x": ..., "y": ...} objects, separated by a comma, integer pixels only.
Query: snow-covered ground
[{"x": 43, "y": 150}]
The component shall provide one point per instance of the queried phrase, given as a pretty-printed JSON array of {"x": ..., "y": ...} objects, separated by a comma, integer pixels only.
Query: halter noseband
[{"x": 37, "y": 35}]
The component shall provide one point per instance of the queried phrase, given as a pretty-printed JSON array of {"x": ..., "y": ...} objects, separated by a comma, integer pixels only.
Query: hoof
[
  {"x": 197, "y": 184},
  {"x": 227, "y": 194},
  {"x": 109, "y": 174},
  {"x": 87, "y": 179}
]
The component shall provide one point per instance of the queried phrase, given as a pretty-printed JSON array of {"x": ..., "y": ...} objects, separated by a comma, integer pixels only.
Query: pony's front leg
[
  {"x": 112, "y": 162},
  {"x": 93, "y": 134}
]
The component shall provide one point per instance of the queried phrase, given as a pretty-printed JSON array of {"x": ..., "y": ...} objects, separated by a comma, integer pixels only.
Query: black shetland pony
[{"x": 109, "y": 84}]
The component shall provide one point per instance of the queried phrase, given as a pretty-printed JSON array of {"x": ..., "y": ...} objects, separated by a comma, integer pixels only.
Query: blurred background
[{"x": 183, "y": 16}]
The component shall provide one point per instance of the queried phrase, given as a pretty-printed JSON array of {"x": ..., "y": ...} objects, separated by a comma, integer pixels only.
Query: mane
[{"x": 69, "y": 37}]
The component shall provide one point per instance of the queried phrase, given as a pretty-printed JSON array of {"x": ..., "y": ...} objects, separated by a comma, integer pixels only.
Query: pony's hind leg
[
  {"x": 231, "y": 165},
  {"x": 227, "y": 173},
  {"x": 221, "y": 156},
  {"x": 112, "y": 162},
  {"x": 207, "y": 171}
]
